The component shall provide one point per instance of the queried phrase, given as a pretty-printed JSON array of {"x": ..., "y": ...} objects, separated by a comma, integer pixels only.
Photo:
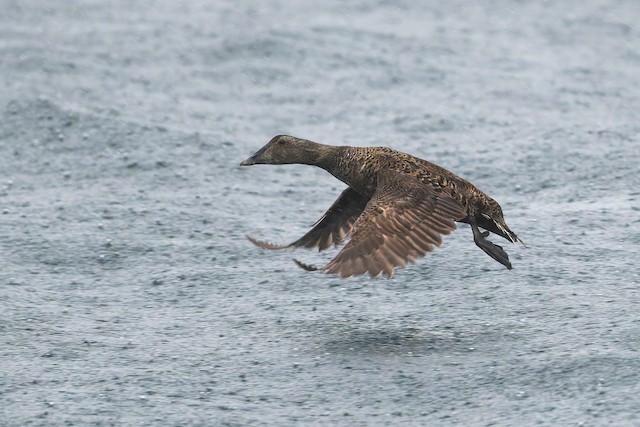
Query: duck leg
[{"x": 494, "y": 251}]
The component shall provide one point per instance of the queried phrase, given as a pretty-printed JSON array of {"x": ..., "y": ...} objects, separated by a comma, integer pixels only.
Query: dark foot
[{"x": 494, "y": 251}]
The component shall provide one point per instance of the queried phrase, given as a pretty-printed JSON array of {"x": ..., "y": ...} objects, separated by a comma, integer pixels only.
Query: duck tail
[{"x": 498, "y": 226}]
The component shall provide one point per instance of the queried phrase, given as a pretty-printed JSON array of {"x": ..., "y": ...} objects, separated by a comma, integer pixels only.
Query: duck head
[{"x": 285, "y": 149}]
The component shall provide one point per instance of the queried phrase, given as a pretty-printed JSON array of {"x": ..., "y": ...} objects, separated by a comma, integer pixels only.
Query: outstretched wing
[
  {"x": 403, "y": 221},
  {"x": 332, "y": 228}
]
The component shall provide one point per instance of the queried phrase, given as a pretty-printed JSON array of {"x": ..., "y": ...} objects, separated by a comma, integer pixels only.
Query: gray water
[{"x": 129, "y": 295}]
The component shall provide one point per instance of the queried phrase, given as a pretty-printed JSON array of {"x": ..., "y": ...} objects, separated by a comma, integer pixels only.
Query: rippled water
[{"x": 130, "y": 296}]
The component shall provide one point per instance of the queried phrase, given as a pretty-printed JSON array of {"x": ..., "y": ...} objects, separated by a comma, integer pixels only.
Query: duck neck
[
  {"x": 343, "y": 163},
  {"x": 330, "y": 158}
]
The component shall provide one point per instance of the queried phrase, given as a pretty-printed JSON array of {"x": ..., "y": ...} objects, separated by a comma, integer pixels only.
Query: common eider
[{"x": 396, "y": 209}]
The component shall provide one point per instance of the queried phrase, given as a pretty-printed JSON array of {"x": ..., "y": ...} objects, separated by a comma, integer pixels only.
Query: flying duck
[{"x": 396, "y": 208}]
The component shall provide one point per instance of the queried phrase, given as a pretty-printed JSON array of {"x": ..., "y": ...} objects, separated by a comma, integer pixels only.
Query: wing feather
[
  {"x": 331, "y": 229},
  {"x": 404, "y": 220}
]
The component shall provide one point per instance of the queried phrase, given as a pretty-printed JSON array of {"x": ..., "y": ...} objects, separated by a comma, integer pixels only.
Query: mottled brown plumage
[{"x": 396, "y": 209}]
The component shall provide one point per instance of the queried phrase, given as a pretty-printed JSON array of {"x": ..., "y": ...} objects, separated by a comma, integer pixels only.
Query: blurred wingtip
[
  {"x": 263, "y": 244},
  {"x": 304, "y": 266}
]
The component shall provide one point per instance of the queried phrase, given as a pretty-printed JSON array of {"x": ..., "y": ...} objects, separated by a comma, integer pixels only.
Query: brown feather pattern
[
  {"x": 331, "y": 228},
  {"x": 396, "y": 209},
  {"x": 401, "y": 223}
]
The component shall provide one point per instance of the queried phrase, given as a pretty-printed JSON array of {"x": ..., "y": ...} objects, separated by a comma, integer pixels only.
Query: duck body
[
  {"x": 358, "y": 167},
  {"x": 395, "y": 209}
]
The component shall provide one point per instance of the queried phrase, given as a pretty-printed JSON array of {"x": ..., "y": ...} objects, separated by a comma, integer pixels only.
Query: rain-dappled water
[{"x": 128, "y": 292}]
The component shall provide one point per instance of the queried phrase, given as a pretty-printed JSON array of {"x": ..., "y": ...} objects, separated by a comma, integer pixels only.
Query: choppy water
[{"x": 127, "y": 290}]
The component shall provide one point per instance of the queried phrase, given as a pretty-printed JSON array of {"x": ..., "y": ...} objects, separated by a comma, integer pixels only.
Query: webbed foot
[{"x": 494, "y": 251}]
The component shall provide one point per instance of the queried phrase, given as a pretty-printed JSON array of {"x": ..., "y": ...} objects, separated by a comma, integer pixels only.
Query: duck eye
[{"x": 281, "y": 141}]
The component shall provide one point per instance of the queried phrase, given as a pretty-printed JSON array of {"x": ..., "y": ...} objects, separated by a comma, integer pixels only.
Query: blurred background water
[{"x": 130, "y": 296}]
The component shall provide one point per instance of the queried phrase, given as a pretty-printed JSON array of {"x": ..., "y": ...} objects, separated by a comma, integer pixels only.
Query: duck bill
[
  {"x": 250, "y": 161},
  {"x": 254, "y": 160},
  {"x": 257, "y": 159}
]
